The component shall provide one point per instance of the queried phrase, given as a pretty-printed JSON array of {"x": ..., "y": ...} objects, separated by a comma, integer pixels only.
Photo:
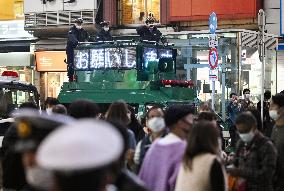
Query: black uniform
[
  {"x": 104, "y": 36},
  {"x": 74, "y": 37},
  {"x": 150, "y": 34}
]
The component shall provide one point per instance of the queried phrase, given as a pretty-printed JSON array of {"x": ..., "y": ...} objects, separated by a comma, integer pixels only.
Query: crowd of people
[{"x": 171, "y": 149}]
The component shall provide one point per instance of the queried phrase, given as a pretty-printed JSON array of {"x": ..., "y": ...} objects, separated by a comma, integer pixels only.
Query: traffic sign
[
  {"x": 212, "y": 77},
  {"x": 213, "y": 58},
  {"x": 213, "y": 23},
  {"x": 213, "y": 40}
]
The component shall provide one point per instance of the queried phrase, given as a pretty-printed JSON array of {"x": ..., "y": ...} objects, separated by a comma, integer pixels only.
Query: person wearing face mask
[
  {"x": 246, "y": 103},
  {"x": 32, "y": 128},
  {"x": 149, "y": 32},
  {"x": 276, "y": 112},
  {"x": 104, "y": 34},
  {"x": 256, "y": 156},
  {"x": 160, "y": 166},
  {"x": 76, "y": 34},
  {"x": 155, "y": 129}
]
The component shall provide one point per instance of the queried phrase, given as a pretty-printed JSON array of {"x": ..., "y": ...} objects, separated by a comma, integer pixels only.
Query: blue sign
[{"x": 213, "y": 23}]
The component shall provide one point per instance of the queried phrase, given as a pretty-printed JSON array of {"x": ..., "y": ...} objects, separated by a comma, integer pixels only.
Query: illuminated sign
[
  {"x": 51, "y": 61},
  {"x": 105, "y": 58},
  {"x": 118, "y": 57},
  {"x": 153, "y": 54}
]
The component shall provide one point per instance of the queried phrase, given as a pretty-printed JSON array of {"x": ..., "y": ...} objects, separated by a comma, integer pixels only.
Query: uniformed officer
[
  {"x": 76, "y": 34},
  {"x": 81, "y": 155},
  {"x": 32, "y": 127},
  {"x": 150, "y": 32},
  {"x": 104, "y": 34}
]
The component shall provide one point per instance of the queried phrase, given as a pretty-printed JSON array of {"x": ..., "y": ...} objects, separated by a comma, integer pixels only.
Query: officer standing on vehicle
[
  {"x": 150, "y": 32},
  {"x": 104, "y": 34},
  {"x": 76, "y": 34}
]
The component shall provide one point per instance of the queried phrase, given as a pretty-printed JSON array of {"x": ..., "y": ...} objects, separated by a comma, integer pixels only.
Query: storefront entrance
[{"x": 132, "y": 9}]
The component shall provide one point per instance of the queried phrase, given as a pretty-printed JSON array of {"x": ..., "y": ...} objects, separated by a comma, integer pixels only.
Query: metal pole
[
  {"x": 261, "y": 23},
  {"x": 213, "y": 94},
  {"x": 223, "y": 86}
]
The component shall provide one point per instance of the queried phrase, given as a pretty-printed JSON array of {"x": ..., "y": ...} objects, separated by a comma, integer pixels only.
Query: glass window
[{"x": 136, "y": 11}]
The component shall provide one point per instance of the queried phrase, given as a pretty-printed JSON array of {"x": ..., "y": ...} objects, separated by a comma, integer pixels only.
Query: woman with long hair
[{"x": 201, "y": 169}]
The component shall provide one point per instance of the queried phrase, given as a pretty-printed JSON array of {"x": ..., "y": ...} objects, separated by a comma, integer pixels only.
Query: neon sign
[{"x": 106, "y": 58}]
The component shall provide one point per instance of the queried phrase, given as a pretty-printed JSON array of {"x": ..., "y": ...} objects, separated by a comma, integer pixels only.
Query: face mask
[
  {"x": 247, "y": 96},
  {"x": 156, "y": 124},
  {"x": 247, "y": 137},
  {"x": 78, "y": 27},
  {"x": 39, "y": 178},
  {"x": 106, "y": 28},
  {"x": 49, "y": 111},
  {"x": 274, "y": 114}
]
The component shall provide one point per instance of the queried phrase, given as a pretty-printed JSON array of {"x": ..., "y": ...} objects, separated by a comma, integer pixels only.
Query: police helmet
[
  {"x": 150, "y": 20},
  {"x": 104, "y": 23},
  {"x": 79, "y": 20}
]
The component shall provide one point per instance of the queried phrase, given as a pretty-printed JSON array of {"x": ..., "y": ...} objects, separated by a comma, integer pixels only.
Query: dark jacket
[
  {"x": 75, "y": 36},
  {"x": 151, "y": 35},
  {"x": 104, "y": 36},
  {"x": 256, "y": 162},
  {"x": 127, "y": 181},
  {"x": 13, "y": 170}
]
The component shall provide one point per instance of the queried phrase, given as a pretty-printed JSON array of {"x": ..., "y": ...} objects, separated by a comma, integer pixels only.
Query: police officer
[
  {"x": 104, "y": 34},
  {"x": 150, "y": 32},
  {"x": 32, "y": 127},
  {"x": 76, "y": 34},
  {"x": 81, "y": 155}
]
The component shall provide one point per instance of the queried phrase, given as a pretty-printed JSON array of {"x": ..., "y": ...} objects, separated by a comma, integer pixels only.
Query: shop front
[
  {"x": 53, "y": 72},
  {"x": 239, "y": 66}
]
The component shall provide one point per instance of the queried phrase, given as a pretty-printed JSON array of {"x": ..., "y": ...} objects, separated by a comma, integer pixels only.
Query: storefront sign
[
  {"x": 51, "y": 61},
  {"x": 13, "y": 29}
]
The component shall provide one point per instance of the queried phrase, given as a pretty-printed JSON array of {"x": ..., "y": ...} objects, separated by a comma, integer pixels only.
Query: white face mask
[
  {"x": 247, "y": 96},
  {"x": 106, "y": 28},
  {"x": 274, "y": 114},
  {"x": 78, "y": 27},
  {"x": 49, "y": 111},
  {"x": 156, "y": 124},
  {"x": 39, "y": 178},
  {"x": 247, "y": 137}
]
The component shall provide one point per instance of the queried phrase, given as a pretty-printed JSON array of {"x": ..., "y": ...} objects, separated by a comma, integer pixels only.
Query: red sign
[{"x": 213, "y": 58}]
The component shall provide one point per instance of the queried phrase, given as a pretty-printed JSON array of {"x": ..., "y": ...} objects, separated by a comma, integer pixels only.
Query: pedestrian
[
  {"x": 246, "y": 103},
  {"x": 80, "y": 155},
  {"x": 276, "y": 112},
  {"x": 255, "y": 158},
  {"x": 201, "y": 168},
  {"x": 32, "y": 128},
  {"x": 49, "y": 103},
  {"x": 149, "y": 32},
  {"x": 104, "y": 34},
  {"x": 118, "y": 112},
  {"x": 60, "y": 109},
  {"x": 141, "y": 18},
  {"x": 135, "y": 125},
  {"x": 13, "y": 174},
  {"x": 124, "y": 179},
  {"x": 267, "y": 121},
  {"x": 162, "y": 161},
  {"x": 212, "y": 117},
  {"x": 84, "y": 108},
  {"x": 76, "y": 35},
  {"x": 155, "y": 129}
]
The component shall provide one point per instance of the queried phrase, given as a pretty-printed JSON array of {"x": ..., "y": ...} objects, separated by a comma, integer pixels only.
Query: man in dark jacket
[
  {"x": 76, "y": 34},
  {"x": 150, "y": 32},
  {"x": 256, "y": 156},
  {"x": 104, "y": 34}
]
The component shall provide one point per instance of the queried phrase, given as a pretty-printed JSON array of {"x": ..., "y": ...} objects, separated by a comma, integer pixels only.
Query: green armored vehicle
[{"x": 140, "y": 73}]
